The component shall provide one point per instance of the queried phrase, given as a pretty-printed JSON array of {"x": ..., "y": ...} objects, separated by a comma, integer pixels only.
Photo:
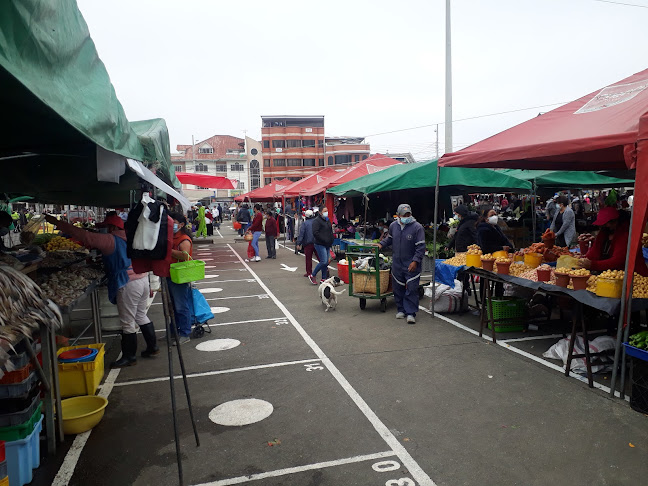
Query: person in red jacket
[
  {"x": 610, "y": 245},
  {"x": 256, "y": 228},
  {"x": 271, "y": 233}
]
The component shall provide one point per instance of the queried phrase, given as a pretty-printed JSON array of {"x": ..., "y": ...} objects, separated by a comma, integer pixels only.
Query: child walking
[{"x": 271, "y": 233}]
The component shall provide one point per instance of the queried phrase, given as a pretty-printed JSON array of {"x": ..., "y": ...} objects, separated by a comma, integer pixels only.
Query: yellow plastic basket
[
  {"x": 187, "y": 271},
  {"x": 81, "y": 378}
]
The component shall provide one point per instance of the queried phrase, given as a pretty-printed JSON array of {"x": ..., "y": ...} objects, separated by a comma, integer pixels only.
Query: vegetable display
[{"x": 639, "y": 340}]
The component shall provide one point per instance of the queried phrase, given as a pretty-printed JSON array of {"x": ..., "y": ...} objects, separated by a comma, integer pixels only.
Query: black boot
[
  {"x": 129, "y": 351},
  {"x": 148, "y": 331}
]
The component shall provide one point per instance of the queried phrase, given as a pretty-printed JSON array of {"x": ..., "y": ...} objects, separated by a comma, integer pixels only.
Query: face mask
[
  {"x": 175, "y": 228},
  {"x": 406, "y": 220},
  {"x": 493, "y": 220},
  {"x": 456, "y": 216},
  {"x": 325, "y": 214}
]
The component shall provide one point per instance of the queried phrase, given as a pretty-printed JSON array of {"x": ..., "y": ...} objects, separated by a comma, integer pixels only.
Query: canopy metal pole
[
  {"x": 434, "y": 240},
  {"x": 366, "y": 203},
  {"x": 622, "y": 312},
  {"x": 533, "y": 209}
]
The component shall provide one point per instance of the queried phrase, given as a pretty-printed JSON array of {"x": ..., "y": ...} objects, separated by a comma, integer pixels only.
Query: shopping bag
[
  {"x": 276, "y": 245},
  {"x": 251, "y": 252},
  {"x": 248, "y": 236},
  {"x": 202, "y": 311}
]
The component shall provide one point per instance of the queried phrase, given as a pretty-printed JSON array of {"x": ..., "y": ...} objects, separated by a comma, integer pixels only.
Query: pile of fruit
[
  {"x": 639, "y": 287},
  {"x": 503, "y": 260},
  {"x": 563, "y": 271},
  {"x": 591, "y": 283},
  {"x": 474, "y": 250},
  {"x": 613, "y": 274},
  {"x": 61, "y": 243},
  {"x": 548, "y": 254},
  {"x": 548, "y": 235},
  {"x": 518, "y": 269},
  {"x": 579, "y": 272},
  {"x": 487, "y": 256},
  {"x": 456, "y": 261}
]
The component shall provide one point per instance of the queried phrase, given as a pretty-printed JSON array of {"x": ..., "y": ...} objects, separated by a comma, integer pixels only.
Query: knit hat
[
  {"x": 461, "y": 210},
  {"x": 403, "y": 209}
]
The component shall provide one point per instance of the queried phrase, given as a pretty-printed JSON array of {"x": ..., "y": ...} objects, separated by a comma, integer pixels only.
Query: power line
[
  {"x": 465, "y": 119},
  {"x": 622, "y": 3}
]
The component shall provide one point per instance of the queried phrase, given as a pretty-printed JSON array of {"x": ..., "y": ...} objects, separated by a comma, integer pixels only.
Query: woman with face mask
[
  {"x": 323, "y": 236},
  {"x": 489, "y": 235},
  {"x": 564, "y": 223},
  {"x": 181, "y": 293}
]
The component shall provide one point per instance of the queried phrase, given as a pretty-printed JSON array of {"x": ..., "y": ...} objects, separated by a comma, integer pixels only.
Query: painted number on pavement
[
  {"x": 313, "y": 366},
  {"x": 388, "y": 466}
]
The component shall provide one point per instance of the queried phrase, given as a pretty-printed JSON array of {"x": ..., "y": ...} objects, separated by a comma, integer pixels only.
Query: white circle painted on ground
[
  {"x": 241, "y": 412},
  {"x": 218, "y": 345},
  {"x": 211, "y": 276},
  {"x": 219, "y": 310},
  {"x": 210, "y": 290}
]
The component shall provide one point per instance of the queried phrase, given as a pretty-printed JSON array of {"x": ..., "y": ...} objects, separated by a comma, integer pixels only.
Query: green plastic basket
[
  {"x": 510, "y": 310},
  {"x": 188, "y": 271},
  {"x": 19, "y": 432}
]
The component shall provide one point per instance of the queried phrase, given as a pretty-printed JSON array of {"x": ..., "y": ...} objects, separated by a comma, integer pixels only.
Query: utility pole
[
  {"x": 448, "y": 83},
  {"x": 437, "y": 141}
]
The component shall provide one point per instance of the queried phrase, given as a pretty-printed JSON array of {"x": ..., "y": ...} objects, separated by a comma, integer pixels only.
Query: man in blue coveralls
[{"x": 407, "y": 238}]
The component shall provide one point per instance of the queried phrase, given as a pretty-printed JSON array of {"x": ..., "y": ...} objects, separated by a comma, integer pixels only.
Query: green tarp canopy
[
  {"x": 60, "y": 109},
  {"x": 565, "y": 179},
  {"x": 423, "y": 175}
]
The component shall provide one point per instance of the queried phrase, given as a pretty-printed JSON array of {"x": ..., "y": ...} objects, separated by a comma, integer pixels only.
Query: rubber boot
[
  {"x": 129, "y": 351},
  {"x": 148, "y": 331}
]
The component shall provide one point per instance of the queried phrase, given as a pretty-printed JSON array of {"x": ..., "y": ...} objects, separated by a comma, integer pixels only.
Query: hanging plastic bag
[
  {"x": 202, "y": 311},
  {"x": 251, "y": 252},
  {"x": 276, "y": 245}
]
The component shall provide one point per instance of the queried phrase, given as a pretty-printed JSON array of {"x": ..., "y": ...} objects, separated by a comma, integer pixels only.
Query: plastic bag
[
  {"x": 251, "y": 252},
  {"x": 276, "y": 245},
  {"x": 201, "y": 310},
  {"x": 560, "y": 350},
  {"x": 566, "y": 261}
]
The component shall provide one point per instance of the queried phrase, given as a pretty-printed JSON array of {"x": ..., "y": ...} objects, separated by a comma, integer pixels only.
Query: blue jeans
[
  {"x": 182, "y": 306},
  {"x": 323, "y": 257},
  {"x": 255, "y": 242}
]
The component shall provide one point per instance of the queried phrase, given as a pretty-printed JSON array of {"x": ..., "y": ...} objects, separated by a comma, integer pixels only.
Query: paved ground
[{"x": 357, "y": 398}]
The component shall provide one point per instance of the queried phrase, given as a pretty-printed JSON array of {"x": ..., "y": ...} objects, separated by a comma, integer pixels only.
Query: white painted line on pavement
[
  {"x": 66, "y": 470},
  {"x": 219, "y": 233},
  {"x": 408, "y": 461},
  {"x": 548, "y": 336},
  {"x": 532, "y": 357},
  {"x": 249, "y": 280},
  {"x": 220, "y": 372},
  {"x": 259, "y": 296},
  {"x": 312, "y": 258},
  {"x": 298, "y": 469}
]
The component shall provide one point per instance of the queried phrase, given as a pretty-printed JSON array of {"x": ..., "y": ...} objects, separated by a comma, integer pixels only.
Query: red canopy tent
[
  {"x": 204, "y": 180},
  {"x": 293, "y": 189},
  {"x": 604, "y": 130},
  {"x": 265, "y": 193}
]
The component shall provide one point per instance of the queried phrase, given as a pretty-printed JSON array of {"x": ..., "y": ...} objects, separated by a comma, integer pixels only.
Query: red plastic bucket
[
  {"x": 343, "y": 272},
  {"x": 75, "y": 353}
]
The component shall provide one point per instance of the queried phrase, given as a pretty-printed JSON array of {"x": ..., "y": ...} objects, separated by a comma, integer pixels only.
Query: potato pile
[
  {"x": 518, "y": 269},
  {"x": 61, "y": 243},
  {"x": 579, "y": 272},
  {"x": 487, "y": 256},
  {"x": 457, "y": 261},
  {"x": 562, "y": 271},
  {"x": 639, "y": 287},
  {"x": 474, "y": 250},
  {"x": 613, "y": 274},
  {"x": 503, "y": 260},
  {"x": 591, "y": 283}
]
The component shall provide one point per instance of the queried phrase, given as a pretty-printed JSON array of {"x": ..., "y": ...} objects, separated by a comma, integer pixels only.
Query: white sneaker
[
  {"x": 400, "y": 315},
  {"x": 257, "y": 259},
  {"x": 411, "y": 320}
]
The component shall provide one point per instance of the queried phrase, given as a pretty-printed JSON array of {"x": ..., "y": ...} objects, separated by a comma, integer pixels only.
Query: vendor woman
[
  {"x": 610, "y": 245},
  {"x": 490, "y": 237},
  {"x": 127, "y": 289}
]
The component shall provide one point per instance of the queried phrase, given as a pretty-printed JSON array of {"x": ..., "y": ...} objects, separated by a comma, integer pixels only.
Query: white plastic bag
[
  {"x": 276, "y": 245},
  {"x": 560, "y": 351},
  {"x": 448, "y": 300},
  {"x": 147, "y": 232}
]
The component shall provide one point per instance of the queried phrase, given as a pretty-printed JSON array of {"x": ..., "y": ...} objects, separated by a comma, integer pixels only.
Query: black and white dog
[{"x": 327, "y": 292}]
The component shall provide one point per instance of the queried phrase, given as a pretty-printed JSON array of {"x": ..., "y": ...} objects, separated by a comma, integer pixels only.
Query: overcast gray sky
[{"x": 214, "y": 67}]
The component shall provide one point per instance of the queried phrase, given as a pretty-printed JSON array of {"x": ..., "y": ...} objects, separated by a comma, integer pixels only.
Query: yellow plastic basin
[
  {"x": 473, "y": 261},
  {"x": 500, "y": 254},
  {"x": 609, "y": 287},
  {"x": 533, "y": 260},
  {"x": 80, "y": 414}
]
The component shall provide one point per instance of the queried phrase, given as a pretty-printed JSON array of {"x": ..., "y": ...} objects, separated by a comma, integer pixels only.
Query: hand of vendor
[
  {"x": 585, "y": 263},
  {"x": 51, "y": 219},
  {"x": 412, "y": 267}
]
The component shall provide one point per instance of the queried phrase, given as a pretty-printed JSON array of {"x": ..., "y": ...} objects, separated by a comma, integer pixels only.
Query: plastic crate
[
  {"x": 17, "y": 432},
  {"x": 20, "y": 417},
  {"x": 23, "y": 456},
  {"x": 81, "y": 378},
  {"x": 16, "y": 376},
  {"x": 508, "y": 314},
  {"x": 16, "y": 404},
  {"x": 639, "y": 385},
  {"x": 19, "y": 360},
  {"x": 18, "y": 389}
]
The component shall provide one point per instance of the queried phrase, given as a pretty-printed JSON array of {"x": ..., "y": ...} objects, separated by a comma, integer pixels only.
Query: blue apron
[{"x": 117, "y": 265}]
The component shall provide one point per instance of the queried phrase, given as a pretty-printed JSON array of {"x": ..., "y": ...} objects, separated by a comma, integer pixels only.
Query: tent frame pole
[
  {"x": 366, "y": 203},
  {"x": 533, "y": 209},
  {"x": 622, "y": 320},
  {"x": 434, "y": 238}
]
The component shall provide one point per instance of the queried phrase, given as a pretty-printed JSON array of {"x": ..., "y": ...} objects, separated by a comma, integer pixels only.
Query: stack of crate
[{"x": 20, "y": 421}]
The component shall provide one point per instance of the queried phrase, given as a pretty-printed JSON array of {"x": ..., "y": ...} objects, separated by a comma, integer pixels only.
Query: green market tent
[
  {"x": 566, "y": 179},
  {"x": 61, "y": 113},
  {"x": 423, "y": 175}
]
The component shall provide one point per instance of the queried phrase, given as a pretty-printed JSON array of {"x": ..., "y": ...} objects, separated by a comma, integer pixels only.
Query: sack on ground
[
  {"x": 202, "y": 311},
  {"x": 560, "y": 350},
  {"x": 448, "y": 300}
]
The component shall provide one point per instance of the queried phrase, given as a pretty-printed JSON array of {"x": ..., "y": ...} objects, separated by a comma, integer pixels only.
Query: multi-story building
[
  {"x": 220, "y": 155},
  {"x": 296, "y": 146}
]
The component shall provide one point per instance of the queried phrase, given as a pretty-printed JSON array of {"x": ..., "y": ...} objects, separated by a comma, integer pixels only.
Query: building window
[
  {"x": 177, "y": 168},
  {"x": 294, "y": 179},
  {"x": 356, "y": 158},
  {"x": 309, "y": 162},
  {"x": 206, "y": 149},
  {"x": 241, "y": 185},
  {"x": 293, "y": 143},
  {"x": 320, "y": 143},
  {"x": 255, "y": 174},
  {"x": 364, "y": 157},
  {"x": 237, "y": 167},
  {"x": 266, "y": 163},
  {"x": 221, "y": 167},
  {"x": 279, "y": 162},
  {"x": 308, "y": 143},
  {"x": 267, "y": 180},
  {"x": 321, "y": 162},
  {"x": 266, "y": 144},
  {"x": 278, "y": 144},
  {"x": 330, "y": 160},
  {"x": 200, "y": 187},
  {"x": 201, "y": 168},
  {"x": 294, "y": 162},
  {"x": 342, "y": 159},
  {"x": 254, "y": 151}
]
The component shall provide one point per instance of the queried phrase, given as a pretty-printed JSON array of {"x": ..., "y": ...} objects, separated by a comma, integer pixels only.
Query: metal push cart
[{"x": 368, "y": 284}]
